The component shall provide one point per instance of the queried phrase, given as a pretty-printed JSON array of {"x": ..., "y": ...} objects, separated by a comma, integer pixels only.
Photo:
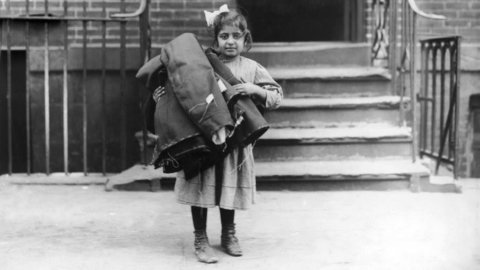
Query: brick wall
[
  {"x": 463, "y": 18},
  {"x": 79, "y": 8},
  {"x": 169, "y": 18}
]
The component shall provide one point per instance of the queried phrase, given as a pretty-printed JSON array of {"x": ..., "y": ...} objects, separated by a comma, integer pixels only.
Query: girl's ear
[{"x": 248, "y": 41}]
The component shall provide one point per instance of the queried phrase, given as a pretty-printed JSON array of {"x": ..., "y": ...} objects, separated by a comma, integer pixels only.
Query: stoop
[{"x": 338, "y": 126}]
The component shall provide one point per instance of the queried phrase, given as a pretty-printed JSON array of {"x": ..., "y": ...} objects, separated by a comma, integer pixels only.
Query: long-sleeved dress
[{"x": 233, "y": 185}]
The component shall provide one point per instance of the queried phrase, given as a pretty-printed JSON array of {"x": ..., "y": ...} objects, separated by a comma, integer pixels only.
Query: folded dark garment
[{"x": 193, "y": 155}]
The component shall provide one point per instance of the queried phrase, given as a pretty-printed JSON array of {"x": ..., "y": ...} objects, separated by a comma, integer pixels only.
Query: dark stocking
[
  {"x": 227, "y": 216},
  {"x": 199, "y": 216}
]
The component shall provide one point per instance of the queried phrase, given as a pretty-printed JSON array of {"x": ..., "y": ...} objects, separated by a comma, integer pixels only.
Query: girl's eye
[{"x": 236, "y": 36}]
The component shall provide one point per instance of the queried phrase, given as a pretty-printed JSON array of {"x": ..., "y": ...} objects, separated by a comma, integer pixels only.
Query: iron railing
[
  {"x": 59, "y": 53},
  {"x": 439, "y": 93}
]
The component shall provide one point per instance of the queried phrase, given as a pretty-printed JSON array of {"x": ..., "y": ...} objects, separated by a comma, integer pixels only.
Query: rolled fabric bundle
[{"x": 250, "y": 124}]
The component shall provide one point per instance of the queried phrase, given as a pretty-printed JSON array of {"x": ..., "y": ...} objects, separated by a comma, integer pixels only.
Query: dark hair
[{"x": 232, "y": 18}]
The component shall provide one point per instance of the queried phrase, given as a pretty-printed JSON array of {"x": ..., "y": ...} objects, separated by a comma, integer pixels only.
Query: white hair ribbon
[{"x": 210, "y": 16}]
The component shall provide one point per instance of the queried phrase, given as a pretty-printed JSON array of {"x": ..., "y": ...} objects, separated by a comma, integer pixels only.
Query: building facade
[{"x": 271, "y": 22}]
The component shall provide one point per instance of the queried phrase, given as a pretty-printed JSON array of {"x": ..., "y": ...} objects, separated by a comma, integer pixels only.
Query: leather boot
[
  {"x": 203, "y": 250},
  {"x": 229, "y": 241}
]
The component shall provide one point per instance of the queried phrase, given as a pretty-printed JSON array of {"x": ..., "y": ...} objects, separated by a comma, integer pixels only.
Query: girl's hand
[{"x": 250, "y": 89}]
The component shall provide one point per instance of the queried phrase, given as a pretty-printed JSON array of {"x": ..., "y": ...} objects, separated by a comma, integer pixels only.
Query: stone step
[
  {"x": 329, "y": 73},
  {"x": 328, "y": 81},
  {"x": 310, "y": 53},
  {"x": 368, "y": 169},
  {"x": 339, "y": 175},
  {"x": 314, "y": 112},
  {"x": 369, "y": 141}
]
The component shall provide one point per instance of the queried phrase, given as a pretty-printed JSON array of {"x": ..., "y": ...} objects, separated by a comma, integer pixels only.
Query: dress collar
[{"x": 232, "y": 60}]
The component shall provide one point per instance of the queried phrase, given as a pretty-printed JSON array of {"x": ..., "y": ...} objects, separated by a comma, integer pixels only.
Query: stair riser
[
  {"x": 315, "y": 117},
  {"x": 331, "y": 151},
  {"x": 333, "y": 56},
  {"x": 334, "y": 88},
  {"x": 335, "y": 184}
]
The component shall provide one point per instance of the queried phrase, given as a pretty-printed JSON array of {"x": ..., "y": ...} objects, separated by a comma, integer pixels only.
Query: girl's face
[{"x": 231, "y": 41}]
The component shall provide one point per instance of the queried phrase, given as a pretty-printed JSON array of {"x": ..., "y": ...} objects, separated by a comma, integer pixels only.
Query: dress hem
[{"x": 211, "y": 205}]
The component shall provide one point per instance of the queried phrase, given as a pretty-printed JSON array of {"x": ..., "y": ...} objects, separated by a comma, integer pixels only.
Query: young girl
[{"x": 230, "y": 184}]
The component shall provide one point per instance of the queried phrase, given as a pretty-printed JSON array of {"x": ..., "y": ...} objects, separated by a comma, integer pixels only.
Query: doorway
[{"x": 304, "y": 20}]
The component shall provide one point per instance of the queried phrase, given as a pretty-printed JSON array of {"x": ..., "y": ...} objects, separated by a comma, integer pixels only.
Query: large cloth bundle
[{"x": 192, "y": 108}]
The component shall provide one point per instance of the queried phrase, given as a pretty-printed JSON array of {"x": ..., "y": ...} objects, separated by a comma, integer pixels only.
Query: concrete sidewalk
[{"x": 84, "y": 227}]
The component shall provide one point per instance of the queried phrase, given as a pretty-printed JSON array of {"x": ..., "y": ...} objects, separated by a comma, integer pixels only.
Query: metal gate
[
  {"x": 439, "y": 93},
  {"x": 68, "y": 97}
]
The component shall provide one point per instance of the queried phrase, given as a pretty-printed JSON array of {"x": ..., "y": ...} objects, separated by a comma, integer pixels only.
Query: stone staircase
[{"x": 338, "y": 124}]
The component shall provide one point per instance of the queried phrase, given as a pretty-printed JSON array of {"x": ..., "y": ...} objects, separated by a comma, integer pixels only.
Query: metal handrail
[
  {"x": 53, "y": 17},
  {"x": 408, "y": 48},
  {"x": 420, "y": 12},
  {"x": 136, "y": 13}
]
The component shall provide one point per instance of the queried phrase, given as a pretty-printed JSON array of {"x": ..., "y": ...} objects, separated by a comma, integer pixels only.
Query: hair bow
[{"x": 210, "y": 16}]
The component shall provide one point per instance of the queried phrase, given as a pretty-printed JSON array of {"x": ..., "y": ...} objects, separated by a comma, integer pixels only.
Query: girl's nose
[{"x": 230, "y": 39}]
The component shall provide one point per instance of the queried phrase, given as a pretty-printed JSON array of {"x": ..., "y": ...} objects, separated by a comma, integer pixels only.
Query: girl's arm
[{"x": 263, "y": 90}]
